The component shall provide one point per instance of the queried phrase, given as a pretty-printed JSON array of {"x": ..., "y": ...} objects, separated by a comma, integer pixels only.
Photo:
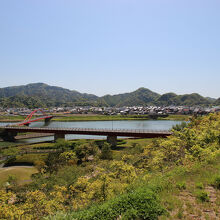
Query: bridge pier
[
  {"x": 46, "y": 120},
  {"x": 112, "y": 139},
  {"x": 59, "y": 136},
  {"x": 8, "y": 136}
]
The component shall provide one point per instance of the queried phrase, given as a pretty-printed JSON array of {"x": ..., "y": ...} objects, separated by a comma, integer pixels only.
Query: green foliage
[
  {"x": 179, "y": 127},
  {"x": 65, "y": 176},
  {"x": 141, "y": 203},
  {"x": 85, "y": 150},
  {"x": 62, "y": 144},
  {"x": 202, "y": 196},
  {"x": 53, "y": 162},
  {"x": 181, "y": 185},
  {"x": 141, "y": 96},
  {"x": 216, "y": 182},
  {"x": 127, "y": 187},
  {"x": 199, "y": 185},
  {"x": 106, "y": 153},
  {"x": 136, "y": 148},
  {"x": 26, "y": 159},
  {"x": 185, "y": 100},
  {"x": 40, "y": 166},
  {"x": 44, "y": 146},
  {"x": 198, "y": 141},
  {"x": 12, "y": 180},
  {"x": 12, "y": 151},
  {"x": 217, "y": 102},
  {"x": 42, "y": 95}
]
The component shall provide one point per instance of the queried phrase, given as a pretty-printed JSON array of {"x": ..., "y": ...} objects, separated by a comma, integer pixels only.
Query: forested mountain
[
  {"x": 42, "y": 95},
  {"x": 187, "y": 99},
  {"x": 141, "y": 96},
  {"x": 217, "y": 102}
]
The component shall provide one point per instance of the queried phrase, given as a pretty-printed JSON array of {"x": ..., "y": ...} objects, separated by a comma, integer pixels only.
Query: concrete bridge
[{"x": 9, "y": 132}]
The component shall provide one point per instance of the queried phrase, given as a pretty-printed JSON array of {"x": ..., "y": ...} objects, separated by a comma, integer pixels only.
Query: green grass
[
  {"x": 164, "y": 185},
  {"x": 99, "y": 117},
  {"x": 8, "y": 118},
  {"x": 22, "y": 174},
  {"x": 176, "y": 117},
  {"x": 36, "y": 146},
  {"x": 130, "y": 141},
  {"x": 186, "y": 186},
  {"x": 116, "y": 117},
  {"x": 26, "y": 159},
  {"x": 5, "y": 144}
]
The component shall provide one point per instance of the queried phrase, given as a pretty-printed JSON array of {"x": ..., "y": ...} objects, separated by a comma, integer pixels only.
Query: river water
[{"x": 124, "y": 124}]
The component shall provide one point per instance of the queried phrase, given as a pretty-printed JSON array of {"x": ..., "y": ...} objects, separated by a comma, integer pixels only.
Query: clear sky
[{"x": 112, "y": 46}]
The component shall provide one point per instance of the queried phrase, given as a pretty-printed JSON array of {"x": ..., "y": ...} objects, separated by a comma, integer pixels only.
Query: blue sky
[{"x": 112, "y": 46}]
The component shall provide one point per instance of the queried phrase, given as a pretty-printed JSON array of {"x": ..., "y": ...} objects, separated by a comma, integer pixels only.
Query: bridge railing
[{"x": 89, "y": 129}]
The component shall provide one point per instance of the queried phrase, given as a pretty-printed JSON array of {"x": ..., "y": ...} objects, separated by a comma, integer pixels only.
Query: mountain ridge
[{"x": 43, "y": 95}]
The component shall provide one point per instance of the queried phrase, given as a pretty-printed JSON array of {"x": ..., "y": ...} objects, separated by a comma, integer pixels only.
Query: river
[{"x": 123, "y": 124}]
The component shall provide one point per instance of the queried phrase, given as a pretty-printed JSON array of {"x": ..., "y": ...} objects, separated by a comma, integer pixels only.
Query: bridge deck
[{"x": 91, "y": 131}]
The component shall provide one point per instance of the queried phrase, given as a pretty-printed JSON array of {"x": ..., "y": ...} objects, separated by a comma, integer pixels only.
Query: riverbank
[
  {"x": 92, "y": 117},
  {"x": 32, "y": 135},
  {"x": 117, "y": 117}
]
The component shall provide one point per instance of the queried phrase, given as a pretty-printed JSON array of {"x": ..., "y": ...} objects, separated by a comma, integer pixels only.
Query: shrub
[
  {"x": 181, "y": 185},
  {"x": 140, "y": 204},
  {"x": 83, "y": 151},
  {"x": 179, "y": 127},
  {"x": 216, "y": 182},
  {"x": 202, "y": 196},
  {"x": 199, "y": 185},
  {"x": 106, "y": 153},
  {"x": 137, "y": 148}
]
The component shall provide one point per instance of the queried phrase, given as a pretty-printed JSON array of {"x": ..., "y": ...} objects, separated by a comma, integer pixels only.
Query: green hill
[
  {"x": 142, "y": 96},
  {"x": 43, "y": 95},
  {"x": 217, "y": 102},
  {"x": 187, "y": 99}
]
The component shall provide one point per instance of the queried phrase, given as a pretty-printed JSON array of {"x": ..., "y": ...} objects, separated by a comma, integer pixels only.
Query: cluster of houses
[{"x": 135, "y": 110}]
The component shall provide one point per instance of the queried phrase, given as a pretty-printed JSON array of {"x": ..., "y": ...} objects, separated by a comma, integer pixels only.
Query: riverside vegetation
[
  {"x": 85, "y": 117},
  {"x": 173, "y": 178}
]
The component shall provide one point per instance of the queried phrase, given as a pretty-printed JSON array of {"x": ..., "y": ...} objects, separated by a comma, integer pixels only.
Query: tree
[
  {"x": 85, "y": 150},
  {"x": 53, "y": 162},
  {"x": 106, "y": 153}
]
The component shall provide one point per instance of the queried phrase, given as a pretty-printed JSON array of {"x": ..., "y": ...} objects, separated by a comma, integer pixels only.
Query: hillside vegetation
[
  {"x": 173, "y": 178},
  {"x": 42, "y": 95},
  {"x": 217, "y": 102}
]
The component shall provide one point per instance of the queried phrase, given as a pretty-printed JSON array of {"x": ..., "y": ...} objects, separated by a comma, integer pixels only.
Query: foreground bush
[{"x": 141, "y": 203}]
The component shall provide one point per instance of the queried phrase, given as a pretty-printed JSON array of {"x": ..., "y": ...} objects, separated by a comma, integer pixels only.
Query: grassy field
[
  {"x": 99, "y": 117},
  {"x": 95, "y": 118},
  {"x": 186, "y": 192},
  {"x": 22, "y": 174},
  {"x": 176, "y": 117},
  {"x": 192, "y": 192},
  {"x": 4, "y": 118},
  {"x": 5, "y": 144}
]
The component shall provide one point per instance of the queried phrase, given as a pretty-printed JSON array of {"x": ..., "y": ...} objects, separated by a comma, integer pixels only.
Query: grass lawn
[
  {"x": 5, "y": 144},
  {"x": 176, "y": 117},
  {"x": 99, "y": 117},
  {"x": 23, "y": 174},
  {"x": 8, "y": 118},
  {"x": 191, "y": 192}
]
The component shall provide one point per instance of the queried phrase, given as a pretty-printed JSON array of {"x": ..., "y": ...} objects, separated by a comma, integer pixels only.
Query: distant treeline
[{"x": 43, "y": 95}]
